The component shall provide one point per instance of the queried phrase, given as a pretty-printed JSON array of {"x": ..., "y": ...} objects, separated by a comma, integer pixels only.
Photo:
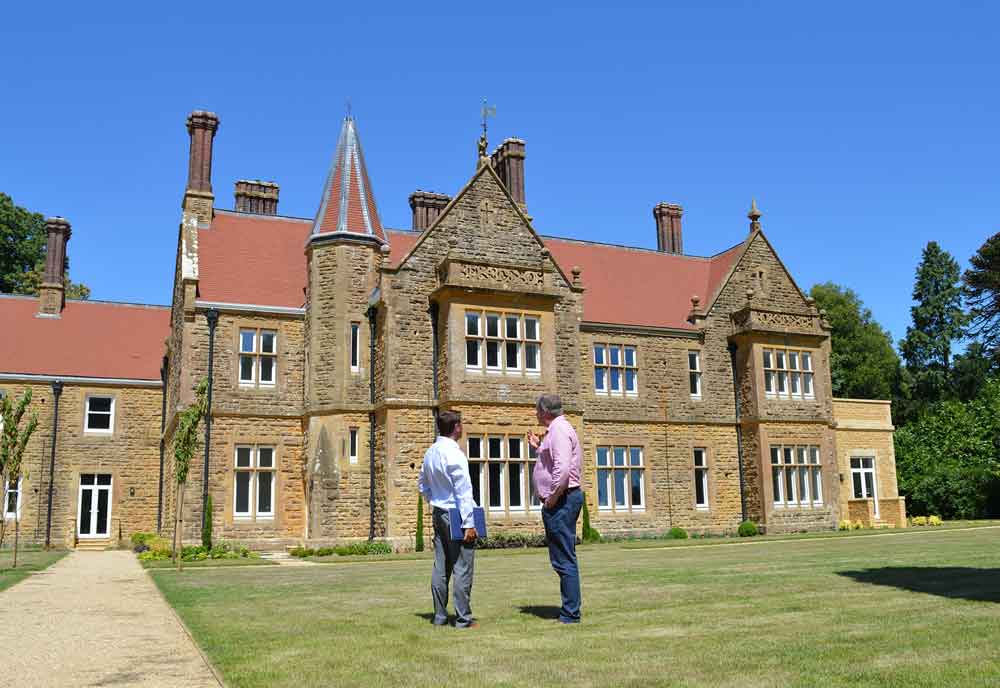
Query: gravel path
[{"x": 95, "y": 619}]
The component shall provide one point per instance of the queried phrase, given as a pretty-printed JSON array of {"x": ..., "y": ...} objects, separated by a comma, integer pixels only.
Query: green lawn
[
  {"x": 27, "y": 563},
  {"x": 909, "y": 609}
]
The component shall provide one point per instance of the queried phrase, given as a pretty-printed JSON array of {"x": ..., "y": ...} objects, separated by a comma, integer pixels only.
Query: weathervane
[{"x": 487, "y": 111}]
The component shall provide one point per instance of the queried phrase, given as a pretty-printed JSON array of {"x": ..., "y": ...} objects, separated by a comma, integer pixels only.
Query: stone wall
[
  {"x": 864, "y": 429},
  {"x": 130, "y": 454}
]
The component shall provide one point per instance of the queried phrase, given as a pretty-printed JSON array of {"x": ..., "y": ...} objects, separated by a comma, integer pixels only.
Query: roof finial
[
  {"x": 754, "y": 216},
  {"x": 486, "y": 111}
]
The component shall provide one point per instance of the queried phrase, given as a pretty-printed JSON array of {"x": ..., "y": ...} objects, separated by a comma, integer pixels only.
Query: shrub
[
  {"x": 511, "y": 541},
  {"x": 934, "y": 520},
  {"x": 302, "y": 552},
  {"x": 844, "y": 525},
  {"x": 919, "y": 521},
  {"x": 677, "y": 533},
  {"x": 153, "y": 555},
  {"x": 420, "y": 524},
  {"x": 140, "y": 548},
  {"x": 857, "y": 525},
  {"x": 374, "y": 547},
  {"x": 589, "y": 534},
  {"x": 325, "y": 551},
  {"x": 748, "y": 529},
  {"x": 206, "y": 525},
  {"x": 142, "y": 538},
  {"x": 159, "y": 545}
]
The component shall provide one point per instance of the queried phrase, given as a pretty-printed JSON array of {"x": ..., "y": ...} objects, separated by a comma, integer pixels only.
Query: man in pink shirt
[{"x": 557, "y": 484}]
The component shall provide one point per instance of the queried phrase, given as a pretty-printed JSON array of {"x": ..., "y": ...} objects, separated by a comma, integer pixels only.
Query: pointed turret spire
[
  {"x": 348, "y": 204},
  {"x": 754, "y": 216}
]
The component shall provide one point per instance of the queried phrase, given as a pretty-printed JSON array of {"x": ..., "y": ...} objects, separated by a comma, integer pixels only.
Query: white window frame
[
  {"x": 785, "y": 369},
  {"x": 254, "y": 470},
  {"x": 19, "y": 492},
  {"x": 355, "y": 351},
  {"x": 628, "y": 467},
  {"x": 701, "y": 477},
  {"x": 526, "y": 461},
  {"x": 483, "y": 339},
  {"x": 603, "y": 370},
  {"x": 797, "y": 466},
  {"x": 861, "y": 470},
  {"x": 352, "y": 445},
  {"x": 86, "y": 415},
  {"x": 694, "y": 374},
  {"x": 256, "y": 354}
]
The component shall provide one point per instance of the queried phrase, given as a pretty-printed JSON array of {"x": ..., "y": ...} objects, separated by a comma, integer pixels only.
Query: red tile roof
[
  {"x": 90, "y": 339},
  {"x": 256, "y": 259},
  {"x": 632, "y": 286}
]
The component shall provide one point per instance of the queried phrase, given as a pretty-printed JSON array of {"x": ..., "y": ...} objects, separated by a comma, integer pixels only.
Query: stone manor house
[{"x": 700, "y": 387}]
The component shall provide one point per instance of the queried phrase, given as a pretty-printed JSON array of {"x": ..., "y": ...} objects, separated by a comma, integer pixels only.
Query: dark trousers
[
  {"x": 560, "y": 531},
  {"x": 451, "y": 557}
]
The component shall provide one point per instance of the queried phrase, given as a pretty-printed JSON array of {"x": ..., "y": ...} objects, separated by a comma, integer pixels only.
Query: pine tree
[
  {"x": 982, "y": 292},
  {"x": 938, "y": 320}
]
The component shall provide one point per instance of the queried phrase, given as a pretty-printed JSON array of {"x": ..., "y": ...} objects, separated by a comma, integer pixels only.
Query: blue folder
[{"x": 479, "y": 520}]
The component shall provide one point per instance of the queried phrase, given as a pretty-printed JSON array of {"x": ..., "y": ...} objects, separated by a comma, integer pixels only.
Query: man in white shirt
[{"x": 445, "y": 483}]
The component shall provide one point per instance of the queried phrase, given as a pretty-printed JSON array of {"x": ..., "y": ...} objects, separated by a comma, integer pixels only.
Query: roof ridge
[
  {"x": 228, "y": 211},
  {"x": 643, "y": 249},
  {"x": 33, "y": 297}
]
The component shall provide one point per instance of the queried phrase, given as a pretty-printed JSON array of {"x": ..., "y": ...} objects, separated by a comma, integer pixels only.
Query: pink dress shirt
[{"x": 559, "y": 459}]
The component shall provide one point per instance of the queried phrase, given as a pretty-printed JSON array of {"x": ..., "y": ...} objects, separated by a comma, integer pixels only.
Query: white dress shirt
[{"x": 444, "y": 479}]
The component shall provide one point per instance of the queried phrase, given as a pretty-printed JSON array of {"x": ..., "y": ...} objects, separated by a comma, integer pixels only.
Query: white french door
[
  {"x": 863, "y": 479},
  {"x": 94, "y": 516}
]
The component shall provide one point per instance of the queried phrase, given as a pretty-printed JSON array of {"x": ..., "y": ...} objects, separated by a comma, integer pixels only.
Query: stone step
[{"x": 93, "y": 545}]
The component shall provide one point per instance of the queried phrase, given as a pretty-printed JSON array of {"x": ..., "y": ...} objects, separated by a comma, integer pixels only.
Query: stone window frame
[
  {"x": 629, "y": 469},
  {"x": 696, "y": 374},
  {"x": 787, "y": 475},
  {"x": 482, "y": 460},
  {"x": 605, "y": 367},
  {"x": 255, "y": 470},
  {"x": 704, "y": 479},
  {"x": 354, "y": 347},
  {"x": 113, "y": 413},
  {"x": 257, "y": 355},
  {"x": 18, "y": 493},
  {"x": 503, "y": 340},
  {"x": 779, "y": 374},
  {"x": 352, "y": 444}
]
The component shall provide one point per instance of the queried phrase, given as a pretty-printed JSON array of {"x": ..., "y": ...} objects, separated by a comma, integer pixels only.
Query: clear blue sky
[{"x": 863, "y": 129}]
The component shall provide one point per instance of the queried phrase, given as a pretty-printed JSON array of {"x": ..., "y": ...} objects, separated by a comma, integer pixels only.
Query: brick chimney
[
  {"x": 51, "y": 293},
  {"x": 426, "y": 206},
  {"x": 198, "y": 196},
  {"x": 508, "y": 161},
  {"x": 668, "y": 228},
  {"x": 255, "y": 196}
]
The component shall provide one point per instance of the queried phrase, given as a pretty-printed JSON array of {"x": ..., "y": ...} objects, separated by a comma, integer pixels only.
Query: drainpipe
[
  {"x": 739, "y": 431},
  {"x": 164, "y": 368},
  {"x": 57, "y": 388},
  {"x": 371, "y": 313},
  {"x": 212, "y": 316},
  {"x": 434, "y": 310}
]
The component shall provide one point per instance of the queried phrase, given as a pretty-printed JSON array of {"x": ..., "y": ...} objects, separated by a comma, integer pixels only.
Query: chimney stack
[
  {"x": 668, "y": 228},
  {"x": 51, "y": 294},
  {"x": 508, "y": 161},
  {"x": 255, "y": 196},
  {"x": 198, "y": 196},
  {"x": 426, "y": 207}
]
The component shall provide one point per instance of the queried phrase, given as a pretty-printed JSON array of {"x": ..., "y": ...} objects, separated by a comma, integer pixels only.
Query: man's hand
[
  {"x": 551, "y": 501},
  {"x": 533, "y": 440},
  {"x": 470, "y": 536}
]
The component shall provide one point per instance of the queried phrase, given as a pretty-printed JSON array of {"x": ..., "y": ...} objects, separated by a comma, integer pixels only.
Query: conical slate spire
[{"x": 348, "y": 204}]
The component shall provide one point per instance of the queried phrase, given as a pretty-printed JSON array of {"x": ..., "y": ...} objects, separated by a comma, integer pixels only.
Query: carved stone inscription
[
  {"x": 504, "y": 278},
  {"x": 769, "y": 320}
]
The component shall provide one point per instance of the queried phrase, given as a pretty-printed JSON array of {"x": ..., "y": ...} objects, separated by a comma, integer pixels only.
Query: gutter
[
  {"x": 371, "y": 314},
  {"x": 80, "y": 379},
  {"x": 57, "y": 387}
]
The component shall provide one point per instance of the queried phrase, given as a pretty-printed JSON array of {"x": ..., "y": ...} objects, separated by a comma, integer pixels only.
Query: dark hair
[{"x": 447, "y": 420}]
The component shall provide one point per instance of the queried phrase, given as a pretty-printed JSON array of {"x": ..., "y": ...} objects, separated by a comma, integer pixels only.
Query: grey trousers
[{"x": 451, "y": 557}]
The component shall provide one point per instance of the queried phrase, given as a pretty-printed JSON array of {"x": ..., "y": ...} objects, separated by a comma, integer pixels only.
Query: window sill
[{"x": 98, "y": 433}]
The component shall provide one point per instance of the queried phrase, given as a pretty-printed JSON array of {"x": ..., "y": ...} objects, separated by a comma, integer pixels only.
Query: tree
[
  {"x": 13, "y": 441},
  {"x": 938, "y": 320},
  {"x": 981, "y": 287},
  {"x": 971, "y": 370},
  {"x": 22, "y": 252},
  {"x": 863, "y": 364},
  {"x": 419, "y": 544},
  {"x": 185, "y": 444},
  {"x": 948, "y": 459}
]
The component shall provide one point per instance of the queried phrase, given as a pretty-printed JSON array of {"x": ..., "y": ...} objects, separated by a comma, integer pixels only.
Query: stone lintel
[
  {"x": 749, "y": 320},
  {"x": 493, "y": 277}
]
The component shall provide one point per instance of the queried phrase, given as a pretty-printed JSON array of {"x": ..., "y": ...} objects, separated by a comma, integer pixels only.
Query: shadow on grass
[
  {"x": 958, "y": 582},
  {"x": 542, "y": 611}
]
